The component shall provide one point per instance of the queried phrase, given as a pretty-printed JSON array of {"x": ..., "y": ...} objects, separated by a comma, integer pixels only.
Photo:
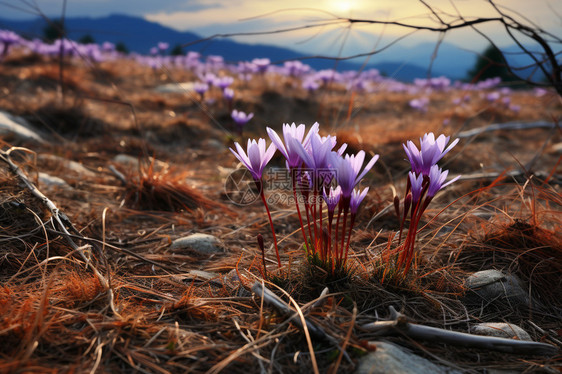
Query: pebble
[
  {"x": 175, "y": 87},
  {"x": 390, "y": 358},
  {"x": 501, "y": 330},
  {"x": 49, "y": 181},
  {"x": 203, "y": 244},
  {"x": 17, "y": 126},
  {"x": 133, "y": 162},
  {"x": 68, "y": 164},
  {"x": 495, "y": 286}
]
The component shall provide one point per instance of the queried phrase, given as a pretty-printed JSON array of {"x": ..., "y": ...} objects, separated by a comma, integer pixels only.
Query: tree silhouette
[
  {"x": 490, "y": 64},
  {"x": 87, "y": 39},
  {"x": 53, "y": 31}
]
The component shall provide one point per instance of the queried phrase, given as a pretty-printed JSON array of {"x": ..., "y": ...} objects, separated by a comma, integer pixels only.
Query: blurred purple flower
[
  {"x": 257, "y": 156},
  {"x": 223, "y": 82},
  {"x": 310, "y": 85},
  {"x": 200, "y": 88},
  {"x": 420, "y": 104},
  {"x": 261, "y": 63},
  {"x": 241, "y": 118},
  {"x": 228, "y": 94}
]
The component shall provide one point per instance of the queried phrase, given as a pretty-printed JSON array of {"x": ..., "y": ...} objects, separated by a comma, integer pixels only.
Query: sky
[{"x": 323, "y": 32}]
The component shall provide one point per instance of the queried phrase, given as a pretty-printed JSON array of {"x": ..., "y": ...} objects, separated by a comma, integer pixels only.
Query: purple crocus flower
[
  {"x": 223, "y": 82},
  {"x": 240, "y": 117},
  {"x": 436, "y": 180},
  {"x": 261, "y": 63},
  {"x": 431, "y": 151},
  {"x": 162, "y": 46},
  {"x": 416, "y": 182},
  {"x": 208, "y": 78},
  {"x": 257, "y": 156},
  {"x": 200, "y": 88},
  {"x": 420, "y": 104},
  {"x": 315, "y": 154},
  {"x": 332, "y": 198},
  {"x": 290, "y": 133},
  {"x": 356, "y": 199},
  {"x": 310, "y": 85},
  {"x": 8, "y": 38},
  {"x": 348, "y": 170},
  {"x": 228, "y": 94}
]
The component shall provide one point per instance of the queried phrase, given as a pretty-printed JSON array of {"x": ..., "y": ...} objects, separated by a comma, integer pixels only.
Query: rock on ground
[
  {"x": 17, "y": 126},
  {"x": 493, "y": 286},
  {"x": 201, "y": 243},
  {"x": 501, "y": 330},
  {"x": 390, "y": 358}
]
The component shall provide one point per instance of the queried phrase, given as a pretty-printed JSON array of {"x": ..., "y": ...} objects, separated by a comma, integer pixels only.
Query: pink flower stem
[{"x": 272, "y": 228}]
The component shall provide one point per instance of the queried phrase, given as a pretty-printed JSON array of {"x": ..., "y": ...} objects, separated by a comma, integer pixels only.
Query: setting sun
[{"x": 341, "y": 7}]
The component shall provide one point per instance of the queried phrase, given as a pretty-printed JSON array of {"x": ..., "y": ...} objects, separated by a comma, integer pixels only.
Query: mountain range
[{"x": 139, "y": 35}]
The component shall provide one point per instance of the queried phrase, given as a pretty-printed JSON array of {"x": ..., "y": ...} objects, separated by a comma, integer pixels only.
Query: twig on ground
[
  {"x": 272, "y": 299},
  {"x": 505, "y": 126},
  {"x": 399, "y": 325},
  {"x": 59, "y": 221}
]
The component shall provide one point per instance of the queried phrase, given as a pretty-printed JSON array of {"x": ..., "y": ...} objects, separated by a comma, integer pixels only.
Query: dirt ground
[{"x": 101, "y": 290}]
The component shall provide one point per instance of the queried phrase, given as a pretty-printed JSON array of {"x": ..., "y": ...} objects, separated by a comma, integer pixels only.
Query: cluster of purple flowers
[
  {"x": 324, "y": 178},
  {"x": 304, "y": 76},
  {"x": 424, "y": 181}
]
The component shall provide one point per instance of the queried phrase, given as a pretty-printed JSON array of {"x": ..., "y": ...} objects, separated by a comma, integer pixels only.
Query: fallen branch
[
  {"x": 399, "y": 325},
  {"x": 275, "y": 301},
  {"x": 505, "y": 126},
  {"x": 59, "y": 221}
]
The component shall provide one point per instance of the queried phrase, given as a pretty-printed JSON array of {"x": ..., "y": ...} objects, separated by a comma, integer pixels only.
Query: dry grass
[{"x": 55, "y": 314}]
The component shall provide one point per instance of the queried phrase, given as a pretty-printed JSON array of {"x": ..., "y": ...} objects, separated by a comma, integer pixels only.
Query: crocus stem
[
  {"x": 351, "y": 223},
  {"x": 319, "y": 197},
  {"x": 307, "y": 208},
  {"x": 298, "y": 208},
  {"x": 314, "y": 219},
  {"x": 272, "y": 229},
  {"x": 345, "y": 210},
  {"x": 336, "y": 241}
]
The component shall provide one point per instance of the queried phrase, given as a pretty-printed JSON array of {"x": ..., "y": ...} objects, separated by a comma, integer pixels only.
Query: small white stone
[
  {"x": 201, "y": 243},
  {"x": 176, "y": 87},
  {"x": 390, "y": 358},
  {"x": 18, "y": 126},
  {"x": 494, "y": 285},
  {"x": 501, "y": 330},
  {"x": 50, "y": 181},
  {"x": 68, "y": 164}
]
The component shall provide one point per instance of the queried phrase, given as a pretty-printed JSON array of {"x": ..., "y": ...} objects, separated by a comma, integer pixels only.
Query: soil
[{"x": 182, "y": 311}]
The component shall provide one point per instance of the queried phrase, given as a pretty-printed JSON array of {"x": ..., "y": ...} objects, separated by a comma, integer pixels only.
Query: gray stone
[
  {"x": 389, "y": 358},
  {"x": 175, "y": 87},
  {"x": 493, "y": 286},
  {"x": 17, "y": 126},
  {"x": 68, "y": 164},
  {"x": 501, "y": 330},
  {"x": 49, "y": 181},
  {"x": 133, "y": 162},
  {"x": 201, "y": 243}
]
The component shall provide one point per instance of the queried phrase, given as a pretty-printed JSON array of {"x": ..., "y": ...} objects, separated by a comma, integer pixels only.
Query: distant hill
[{"x": 139, "y": 35}]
